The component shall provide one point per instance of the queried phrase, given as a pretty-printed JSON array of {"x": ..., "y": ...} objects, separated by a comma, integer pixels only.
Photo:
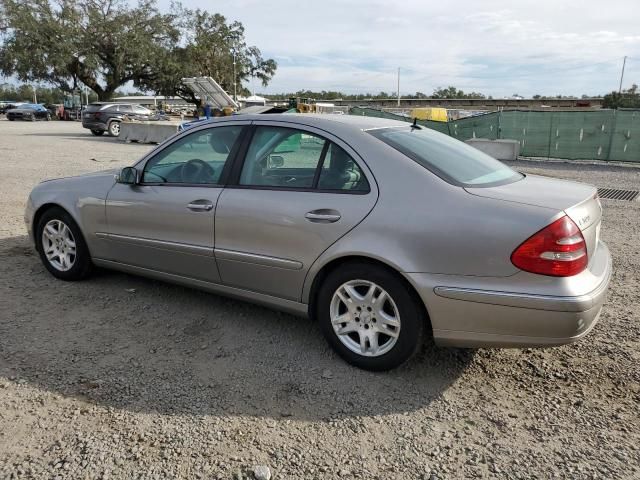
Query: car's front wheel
[
  {"x": 61, "y": 246},
  {"x": 369, "y": 316},
  {"x": 114, "y": 129},
  {"x": 97, "y": 133}
]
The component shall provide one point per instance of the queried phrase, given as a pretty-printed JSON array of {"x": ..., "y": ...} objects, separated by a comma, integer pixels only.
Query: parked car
[
  {"x": 100, "y": 117},
  {"x": 382, "y": 231},
  {"x": 29, "y": 112},
  {"x": 56, "y": 110}
]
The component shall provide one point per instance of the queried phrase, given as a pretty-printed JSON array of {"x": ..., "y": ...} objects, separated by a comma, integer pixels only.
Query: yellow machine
[{"x": 435, "y": 114}]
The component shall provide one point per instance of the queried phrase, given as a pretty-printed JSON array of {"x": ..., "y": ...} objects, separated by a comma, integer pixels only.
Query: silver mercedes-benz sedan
[{"x": 383, "y": 232}]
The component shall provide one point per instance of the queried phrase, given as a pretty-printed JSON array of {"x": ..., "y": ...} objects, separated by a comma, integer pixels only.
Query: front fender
[{"x": 83, "y": 198}]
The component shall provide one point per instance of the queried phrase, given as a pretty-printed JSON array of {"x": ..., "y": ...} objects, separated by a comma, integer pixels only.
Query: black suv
[{"x": 103, "y": 117}]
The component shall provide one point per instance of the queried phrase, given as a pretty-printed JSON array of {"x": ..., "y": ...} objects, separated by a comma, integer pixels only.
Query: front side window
[
  {"x": 282, "y": 157},
  {"x": 452, "y": 160},
  {"x": 197, "y": 158}
]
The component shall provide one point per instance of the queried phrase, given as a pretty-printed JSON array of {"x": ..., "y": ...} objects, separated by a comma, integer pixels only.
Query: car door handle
[
  {"x": 323, "y": 216},
  {"x": 200, "y": 206}
]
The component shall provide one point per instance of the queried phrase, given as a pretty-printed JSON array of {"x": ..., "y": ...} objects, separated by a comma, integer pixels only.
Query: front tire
[
  {"x": 369, "y": 316},
  {"x": 61, "y": 246},
  {"x": 114, "y": 129}
]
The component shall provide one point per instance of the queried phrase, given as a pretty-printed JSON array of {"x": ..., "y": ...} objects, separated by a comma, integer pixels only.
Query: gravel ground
[{"x": 123, "y": 377}]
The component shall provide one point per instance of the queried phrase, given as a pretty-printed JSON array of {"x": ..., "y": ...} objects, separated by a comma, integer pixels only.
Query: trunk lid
[{"x": 578, "y": 200}]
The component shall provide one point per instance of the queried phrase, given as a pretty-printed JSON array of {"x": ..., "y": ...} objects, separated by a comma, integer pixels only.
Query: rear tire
[
  {"x": 61, "y": 246},
  {"x": 97, "y": 133},
  {"x": 114, "y": 128},
  {"x": 383, "y": 322}
]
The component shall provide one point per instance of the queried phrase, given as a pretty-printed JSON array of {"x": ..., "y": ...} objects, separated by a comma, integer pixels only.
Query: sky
[{"x": 499, "y": 48}]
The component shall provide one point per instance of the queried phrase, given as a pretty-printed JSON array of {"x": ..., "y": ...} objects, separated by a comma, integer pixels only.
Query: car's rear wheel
[
  {"x": 114, "y": 129},
  {"x": 369, "y": 316},
  {"x": 61, "y": 246},
  {"x": 97, "y": 133}
]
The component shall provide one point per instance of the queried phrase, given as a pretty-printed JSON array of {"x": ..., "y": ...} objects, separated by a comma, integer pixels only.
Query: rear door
[
  {"x": 297, "y": 191},
  {"x": 166, "y": 223}
]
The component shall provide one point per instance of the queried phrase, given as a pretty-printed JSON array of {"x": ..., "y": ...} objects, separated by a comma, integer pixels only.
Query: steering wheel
[{"x": 197, "y": 171}]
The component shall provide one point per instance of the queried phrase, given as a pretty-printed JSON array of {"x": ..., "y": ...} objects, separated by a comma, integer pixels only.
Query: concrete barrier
[
  {"x": 147, "y": 132},
  {"x": 500, "y": 149}
]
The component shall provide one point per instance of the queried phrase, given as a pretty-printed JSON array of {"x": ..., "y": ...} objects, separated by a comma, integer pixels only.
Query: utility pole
[
  {"x": 35, "y": 99},
  {"x": 235, "y": 97},
  {"x": 622, "y": 74},
  {"x": 399, "y": 86}
]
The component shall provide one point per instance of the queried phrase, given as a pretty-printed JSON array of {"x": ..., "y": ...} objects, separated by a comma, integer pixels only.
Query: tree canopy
[
  {"x": 629, "y": 98},
  {"x": 105, "y": 44},
  {"x": 453, "y": 92},
  {"x": 209, "y": 47}
]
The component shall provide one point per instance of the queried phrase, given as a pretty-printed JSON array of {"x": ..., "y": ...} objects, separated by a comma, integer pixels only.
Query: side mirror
[
  {"x": 128, "y": 176},
  {"x": 275, "y": 161}
]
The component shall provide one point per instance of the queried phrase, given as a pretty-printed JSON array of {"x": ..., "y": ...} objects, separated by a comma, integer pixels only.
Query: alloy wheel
[
  {"x": 59, "y": 245},
  {"x": 365, "y": 318}
]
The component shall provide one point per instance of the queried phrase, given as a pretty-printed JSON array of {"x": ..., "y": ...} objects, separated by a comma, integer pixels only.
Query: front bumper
[
  {"x": 29, "y": 212},
  {"x": 517, "y": 311}
]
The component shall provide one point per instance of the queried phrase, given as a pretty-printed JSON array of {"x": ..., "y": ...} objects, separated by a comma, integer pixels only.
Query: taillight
[
  {"x": 97, "y": 115},
  {"x": 558, "y": 250}
]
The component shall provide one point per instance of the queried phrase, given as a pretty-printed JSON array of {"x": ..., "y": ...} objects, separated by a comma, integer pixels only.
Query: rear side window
[
  {"x": 288, "y": 158},
  {"x": 452, "y": 160},
  {"x": 282, "y": 157}
]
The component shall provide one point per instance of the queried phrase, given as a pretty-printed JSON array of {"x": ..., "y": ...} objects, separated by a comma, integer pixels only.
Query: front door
[
  {"x": 298, "y": 191},
  {"x": 166, "y": 223}
]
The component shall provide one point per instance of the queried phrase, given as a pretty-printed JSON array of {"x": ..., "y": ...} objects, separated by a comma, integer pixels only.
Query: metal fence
[{"x": 582, "y": 135}]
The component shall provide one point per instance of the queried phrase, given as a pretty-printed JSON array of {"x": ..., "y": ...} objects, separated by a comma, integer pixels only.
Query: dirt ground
[{"x": 124, "y": 377}]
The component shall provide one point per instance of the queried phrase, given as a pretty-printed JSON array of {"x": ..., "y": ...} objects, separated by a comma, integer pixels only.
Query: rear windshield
[
  {"x": 452, "y": 160},
  {"x": 94, "y": 107}
]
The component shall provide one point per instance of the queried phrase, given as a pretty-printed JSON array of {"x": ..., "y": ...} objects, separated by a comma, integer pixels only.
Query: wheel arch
[
  {"x": 336, "y": 263},
  {"x": 37, "y": 215}
]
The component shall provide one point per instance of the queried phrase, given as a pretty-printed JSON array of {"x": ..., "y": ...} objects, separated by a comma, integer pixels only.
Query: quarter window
[
  {"x": 340, "y": 172},
  {"x": 198, "y": 158}
]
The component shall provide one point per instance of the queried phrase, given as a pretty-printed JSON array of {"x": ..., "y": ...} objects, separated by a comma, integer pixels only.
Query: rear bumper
[
  {"x": 94, "y": 125},
  {"x": 489, "y": 312}
]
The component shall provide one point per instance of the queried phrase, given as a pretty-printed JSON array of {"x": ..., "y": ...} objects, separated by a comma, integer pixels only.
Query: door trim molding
[
  {"x": 290, "y": 306},
  {"x": 235, "y": 256},
  {"x": 161, "y": 244}
]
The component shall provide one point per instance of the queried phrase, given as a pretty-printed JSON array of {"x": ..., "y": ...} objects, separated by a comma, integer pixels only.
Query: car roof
[
  {"x": 318, "y": 120},
  {"x": 117, "y": 103}
]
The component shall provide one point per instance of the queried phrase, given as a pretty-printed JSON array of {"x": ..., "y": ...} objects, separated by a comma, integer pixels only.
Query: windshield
[{"x": 452, "y": 160}]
